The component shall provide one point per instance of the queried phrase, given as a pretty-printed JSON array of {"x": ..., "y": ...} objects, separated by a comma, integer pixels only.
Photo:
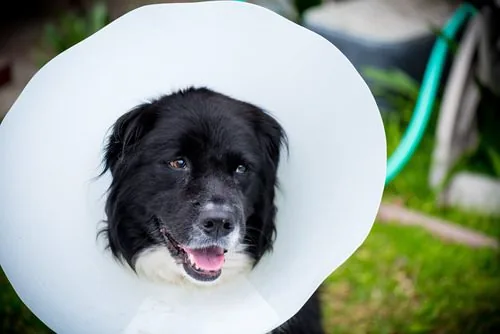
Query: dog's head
[{"x": 193, "y": 184}]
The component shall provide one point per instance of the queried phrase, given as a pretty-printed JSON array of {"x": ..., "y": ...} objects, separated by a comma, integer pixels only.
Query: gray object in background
[
  {"x": 473, "y": 192},
  {"x": 456, "y": 131},
  {"x": 382, "y": 33}
]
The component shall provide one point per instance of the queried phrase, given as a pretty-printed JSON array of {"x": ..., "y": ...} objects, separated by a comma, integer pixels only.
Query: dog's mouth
[{"x": 203, "y": 264}]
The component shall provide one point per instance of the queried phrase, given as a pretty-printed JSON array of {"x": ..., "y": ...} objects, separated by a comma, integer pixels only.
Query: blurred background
[{"x": 431, "y": 263}]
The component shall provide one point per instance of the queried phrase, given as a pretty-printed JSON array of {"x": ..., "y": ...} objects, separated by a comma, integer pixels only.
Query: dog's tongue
[{"x": 210, "y": 259}]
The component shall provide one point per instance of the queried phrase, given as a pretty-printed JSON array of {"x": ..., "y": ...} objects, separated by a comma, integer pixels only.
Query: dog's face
[{"x": 192, "y": 194}]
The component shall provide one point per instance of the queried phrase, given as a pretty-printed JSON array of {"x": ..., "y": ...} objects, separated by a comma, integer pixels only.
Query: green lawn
[{"x": 403, "y": 280}]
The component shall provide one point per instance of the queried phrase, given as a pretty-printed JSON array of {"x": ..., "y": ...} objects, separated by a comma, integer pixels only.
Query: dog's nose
[
  {"x": 215, "y": 227},
  {"x": 217, "y": 221}
]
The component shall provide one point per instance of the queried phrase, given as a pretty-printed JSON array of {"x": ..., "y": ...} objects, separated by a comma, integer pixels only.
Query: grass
[{"x": 403, "y": 280}]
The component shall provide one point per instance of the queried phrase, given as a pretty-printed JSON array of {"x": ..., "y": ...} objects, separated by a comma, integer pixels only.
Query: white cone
[{"x": 51, "y": 143}]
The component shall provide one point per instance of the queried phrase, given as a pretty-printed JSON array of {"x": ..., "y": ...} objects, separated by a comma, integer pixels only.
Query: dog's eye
[
  {"x": 241, "y": 169},
  {"x": 178, "y": 164}
]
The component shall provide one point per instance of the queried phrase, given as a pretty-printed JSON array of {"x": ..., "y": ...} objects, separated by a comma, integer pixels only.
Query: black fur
[{"x": 214, "y": 135}]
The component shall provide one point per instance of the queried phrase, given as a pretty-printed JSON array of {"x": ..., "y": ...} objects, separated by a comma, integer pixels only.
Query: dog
[{"x": 191, "y": 201}]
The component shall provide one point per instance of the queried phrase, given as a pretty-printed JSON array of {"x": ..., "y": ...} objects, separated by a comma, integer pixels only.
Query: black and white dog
[{"x": 192, "y": 193}]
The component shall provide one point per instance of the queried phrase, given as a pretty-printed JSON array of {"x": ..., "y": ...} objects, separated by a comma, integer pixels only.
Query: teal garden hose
[{"x": 427, "y": 95}]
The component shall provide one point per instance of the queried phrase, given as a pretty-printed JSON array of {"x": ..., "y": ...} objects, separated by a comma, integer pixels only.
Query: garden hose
[{"x": 427, "y": 95}]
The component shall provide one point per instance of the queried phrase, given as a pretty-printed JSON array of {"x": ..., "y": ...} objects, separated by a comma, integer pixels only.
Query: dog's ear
[
  {"x": 272, "y": 139},
  {"x": 126, "y": 133}
]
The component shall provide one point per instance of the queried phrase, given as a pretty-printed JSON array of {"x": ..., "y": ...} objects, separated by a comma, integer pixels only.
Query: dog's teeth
[{"x": 193, "y": 262}]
